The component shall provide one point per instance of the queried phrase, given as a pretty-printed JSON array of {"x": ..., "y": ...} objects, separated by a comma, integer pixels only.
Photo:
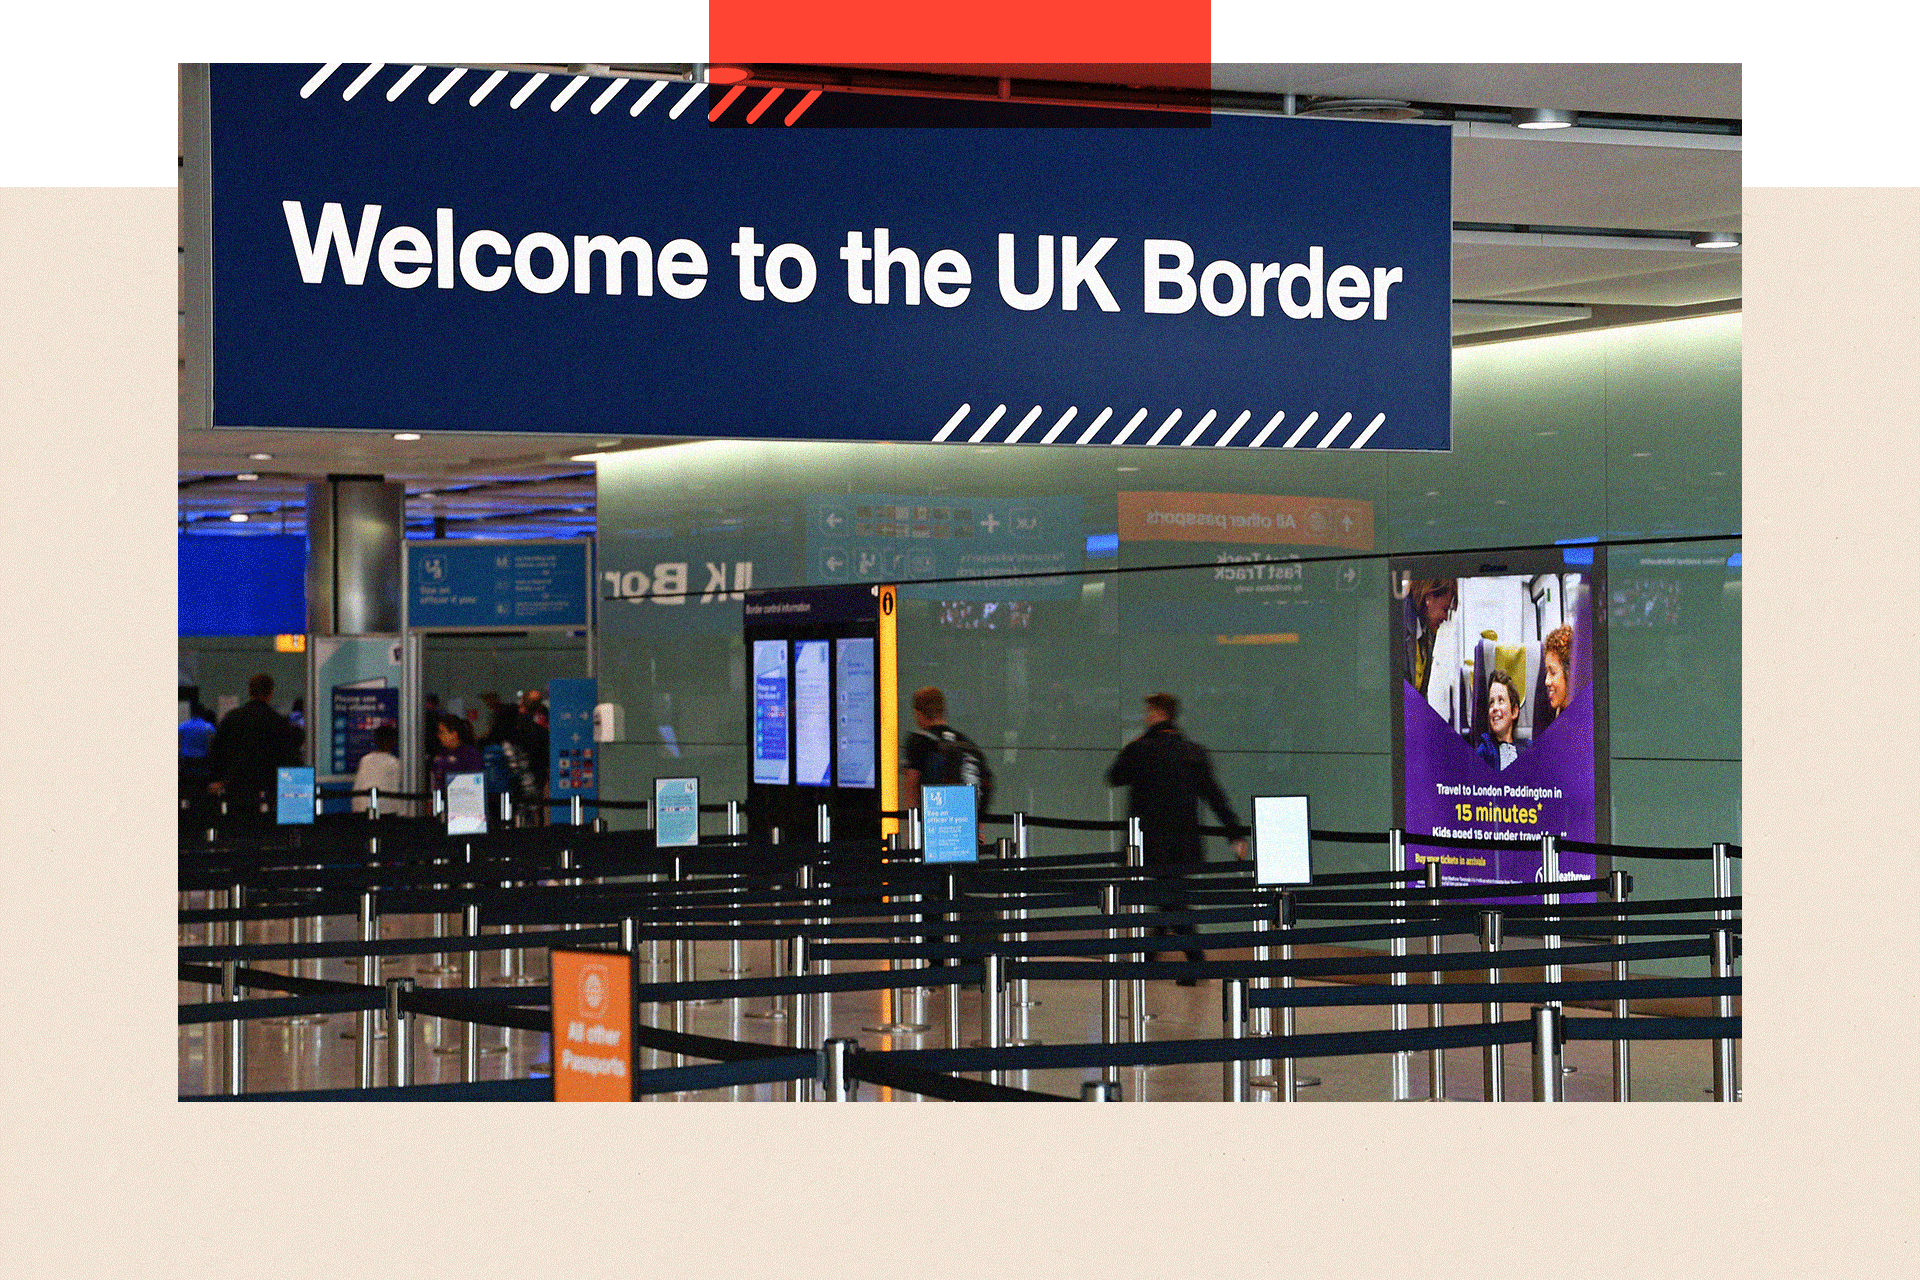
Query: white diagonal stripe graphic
[
  {"x": 319, "y": 78},
  {"x": 1098, "y": 423},
  {"x": 440, "y": 90},
  {"x": 1200, "y": 426},
  {"x": 958, "y": 414},
  {"x": 607, "y": 95},
  {"x": 400, "y": 85},
  {"x": 686, "y": 100},
  {"x": 1233, "y": 430},
  {"x": 360, "y": 81},
  {"x": 1268, "y": 430},
  {"x": 1301, "y": 430},
  {"x": 1138, "y": 417},
  {"x": 647, "y": 97},
  {"x": 560, "y": 98},
  {"x": 988, "y": 425},
  {"x": 1372, "y": 427},
  {"x": 1058, "y": 427},
  {"x": 534, "y": 81},
  {"x": 479, "y": 95},
  {"x": 1165, "y": 427},
  {"x": 1014, "y": 436},
  {"x": 1338, "y": 427}
]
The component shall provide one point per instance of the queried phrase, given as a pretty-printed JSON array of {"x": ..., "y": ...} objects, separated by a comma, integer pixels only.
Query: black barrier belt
[
  {"x": 294, "y": 983},
  {"x": 790, "y": 1065},
  {"x": 401, "y": 946},
  {"x": 200, "y": 973},
  {"x": 1666, "y": 852},
  {"x": 693, "y": 1046},
  {"x": 875, "y": 1068},
  {"x": 812, "y": 984},
  {"x": 1349, "y": 837},
  {"x": 1076, "y": 824},
  {"x": 534, "y": 1090},
  {"x": 488, "y": 1013},
  {"x": 1618, "y": 928},
  {"x": 1652, "y": 1028},
  {"x": 282, "y": 1007},
  {"x": 1096, "y": 946},
  {"x": 1167, "y": 1053},
  {"x": 1093, "y": 970},
  {"x": 1594, "y": 911},
  {"x": 1490, "y": 992},
  {"x": 1454, "y": 892}
]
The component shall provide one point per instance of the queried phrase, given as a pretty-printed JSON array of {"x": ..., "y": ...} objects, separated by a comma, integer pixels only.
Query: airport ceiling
[{"x": 1583, "y": 227}]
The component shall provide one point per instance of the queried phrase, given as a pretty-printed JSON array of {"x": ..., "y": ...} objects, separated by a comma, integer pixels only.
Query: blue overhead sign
[
  {"x": 423, "y": 249},
  {"x": 890, "y": 537},
  {"x": 470, "y": 584}
]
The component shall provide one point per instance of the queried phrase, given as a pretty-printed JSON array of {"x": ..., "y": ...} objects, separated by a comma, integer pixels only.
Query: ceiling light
[
  {"x": 1542, "y": 118},
  {"x": 248, "y": 475},
  {"x": 1716, "y": 240},
  {"x": 406, "y": 435},
  {"x": 1126, "y": 468},
  {"x": 606, "y": 444},
  {"x": 259, "y": 457},
  {"x": 238, "y": 517},
  {"x": 727, "y": 75},
  {"x": 1643, "y": 455},
  {"x": 1360, "y": 109}
]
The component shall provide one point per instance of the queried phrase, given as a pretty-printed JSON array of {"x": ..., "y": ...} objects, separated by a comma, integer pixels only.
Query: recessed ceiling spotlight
[
  {"x": 406, "y": 435},
  {"x": 259, "y": 457},
  {"x": 1716, "y": 240},
  {"x": 238, "y": 517},
  {"x": 248, "y": 475},
  {"x": 1643, "y": 455},
  {"x": 1360, "y": 109},
  {"x": 1126, "y": 468},
  {"x": 1542, "y": 118},
  {"x": 606, "y": 444}
]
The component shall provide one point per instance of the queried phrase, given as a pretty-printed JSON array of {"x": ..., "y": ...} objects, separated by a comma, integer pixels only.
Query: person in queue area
[
  {"x": 458, "y": 752},
  {"x": 379, "y": 769},
  {"x": 1497, "y": 746},
  {"x": 251, "y": 745}
]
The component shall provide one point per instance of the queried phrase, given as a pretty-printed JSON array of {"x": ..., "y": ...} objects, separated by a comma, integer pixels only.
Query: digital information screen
[
  {"x": 854, "y": 718},
  {"x": 812, "y": 713},
  {"x": 770, "y": 759},
  {"x": 1281, "y": 840}
]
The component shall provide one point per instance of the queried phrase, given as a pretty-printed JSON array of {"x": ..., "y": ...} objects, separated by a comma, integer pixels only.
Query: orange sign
[
  {"x": 592, "y": 1026},
  {"x": 1246, "y": 517},
  {"x": 290, "y": 644}
]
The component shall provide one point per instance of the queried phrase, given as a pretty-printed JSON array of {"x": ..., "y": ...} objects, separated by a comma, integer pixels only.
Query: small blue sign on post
[
  {"x": 952, "y": 824},
  {"x": 676, "y": 812},
  {"x": 293, "y": 791},
  {"x": 572, "y": 755}
]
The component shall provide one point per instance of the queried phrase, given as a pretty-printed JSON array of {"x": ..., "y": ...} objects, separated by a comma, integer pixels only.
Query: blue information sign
[
  {"x": 395, "y": 250},
  {"x": 357, "y": 715},
  {"x": 676, "y": 812},
  {"x": 770, "y": 757},
  {"x": 293, "y": 793},
  {"x": 570, "y": 745},
  {"x": 469, "y": 584},
  {"x": 952, "y": 828}
]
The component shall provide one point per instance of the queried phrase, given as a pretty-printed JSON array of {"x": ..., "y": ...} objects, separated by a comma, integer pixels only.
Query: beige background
[{"x": 1814, "y": 1174}]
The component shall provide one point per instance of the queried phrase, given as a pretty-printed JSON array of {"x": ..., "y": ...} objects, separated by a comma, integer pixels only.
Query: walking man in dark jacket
[{"x": 1169, "y": 774}]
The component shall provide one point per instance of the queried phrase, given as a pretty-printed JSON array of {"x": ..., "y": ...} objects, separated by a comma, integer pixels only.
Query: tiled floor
[{"x": 323, "y": 1054}]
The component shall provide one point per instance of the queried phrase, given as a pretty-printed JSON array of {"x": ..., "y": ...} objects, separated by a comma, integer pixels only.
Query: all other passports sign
[{"x": 512, "y": 252}]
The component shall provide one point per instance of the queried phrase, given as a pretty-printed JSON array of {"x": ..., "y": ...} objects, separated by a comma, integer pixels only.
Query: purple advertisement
[{"x": 1499, "y": 720}]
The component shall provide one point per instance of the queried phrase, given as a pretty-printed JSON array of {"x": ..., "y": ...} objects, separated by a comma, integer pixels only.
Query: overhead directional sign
[
  {"x": 404, "y": 247},
  {"x": 884, "y": 537},
  {"x": 466, "y": 584}
]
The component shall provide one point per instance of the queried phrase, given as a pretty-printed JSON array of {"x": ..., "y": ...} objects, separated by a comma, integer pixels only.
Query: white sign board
[
  {"x": 1281, "y": 840},
  {"x": 467, "y": 804}
]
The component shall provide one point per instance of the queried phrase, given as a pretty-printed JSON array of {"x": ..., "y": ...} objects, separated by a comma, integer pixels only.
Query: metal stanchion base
[
  {"x": 1145, "y": 1017},
  {"x": 696, "y": 1004},
  {"x": 296, "y": 1020},
  {"x": 518, "y": 980},
  {"x": 1024, "y": 1043},
  {"x": 770, "y": 1014},
  {"x": 489, "y": 1050},
  {"x": 1030, "y": 1004},
  {"x": 440, "y": 969},
  {"x": 735, "y": 973},
  {"x": 905, "y": 1029},
  {"x": 355, "y": 1035},
  {"x": 1273, "y": 1082}
]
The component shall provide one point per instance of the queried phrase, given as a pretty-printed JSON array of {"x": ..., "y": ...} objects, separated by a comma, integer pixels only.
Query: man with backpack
[
  {"x": 1168, "y": 775},
  {"x": 939, "y": 755}
]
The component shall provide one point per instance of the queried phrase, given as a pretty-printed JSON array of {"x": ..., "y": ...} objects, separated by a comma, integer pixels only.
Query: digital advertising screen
[
  {"x": 812, "y": 714},
  {"x": 1500, "y": 713},
  {"x": 854, "y": 711}
]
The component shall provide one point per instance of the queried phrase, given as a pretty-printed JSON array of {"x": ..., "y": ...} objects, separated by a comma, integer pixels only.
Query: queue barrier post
[
  {"x": 822, "y": 823},
  {"x": 470, "y": 1030},
  {"x": 1436, "y": 1057},
  {"x": 1233, "y": 996},
  {"x": 1100, "y": 1091},
  {"x": 1550, "y": 873},
  {"x": 736, "y": 965},
  {"x": 236, "y": 1030},
  {"x": 1137, "y": 987},
  {"x": 1619, "y": 886},
  {"x": 1023, "y": 1001},
  {"x": 953, "y": 988},
  {"x": 1726, "y": 1084},
  {"x": 1262, "y": 1076},
  {"x": 838, "y": 1084},
  {"x": 1549, "y": 1031},
  {"x": 399, "y": 1033},
  {"x": 1399, "y": 1064},
  {"x": 992, "y": 1025},
  {"x": 369, "y": 976},
  {"x": 1493, "y": 1056},
  {"x": 774, "y": 1009},
  {"x": 796, "y": 1089},
  {"x": 1110, "y": 988}
]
